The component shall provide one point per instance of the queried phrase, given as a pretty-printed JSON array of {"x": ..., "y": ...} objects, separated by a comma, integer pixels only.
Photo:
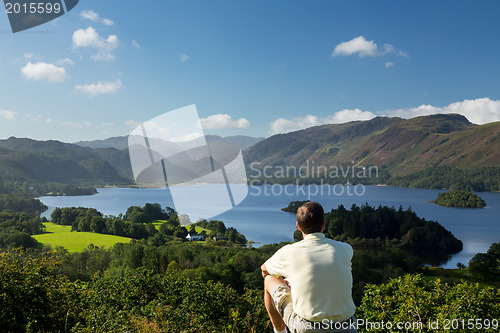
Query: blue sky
[{"x": 251, "y": 67}]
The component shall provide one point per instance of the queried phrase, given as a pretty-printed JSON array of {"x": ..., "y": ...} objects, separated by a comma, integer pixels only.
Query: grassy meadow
[
  {"x": 198, "y": 229},
  {"x": 61, "y": 235}
]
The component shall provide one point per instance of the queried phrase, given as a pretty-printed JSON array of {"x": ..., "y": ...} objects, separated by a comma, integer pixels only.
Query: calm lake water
[{"x": 259, "y": 216}]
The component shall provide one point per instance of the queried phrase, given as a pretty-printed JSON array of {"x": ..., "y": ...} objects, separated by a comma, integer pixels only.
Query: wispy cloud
[
  {"x": 183, "y": 57},
  {"x": 90, "y": 38},
  {"x": 8, "y": 114},
  {"x": 42, "y": 71},
  {"x": 65, "y": 61},
  {"x": 41, "y": 119},
  {"x": 282, "y": 125},
  {"x": 94, "y": 17},
  {"x": 223, "y": 121},
  {"x": 136, "y": 44},
  {"x": 389, "y": 64},
  {"x": 365, "y": 48},
  {"x": 75, "y": 124},
  {"x": 132, "y": 123},
  {"x": 100, "y": 88}
]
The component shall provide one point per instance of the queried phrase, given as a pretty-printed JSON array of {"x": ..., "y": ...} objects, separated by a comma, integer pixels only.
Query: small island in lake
[
  {"x": 462, "y": 199},
  {"x": 294, "y": 205}
]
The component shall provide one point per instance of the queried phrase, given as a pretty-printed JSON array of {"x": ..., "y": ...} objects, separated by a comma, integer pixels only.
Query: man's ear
[{"x": 297, "y": 224}]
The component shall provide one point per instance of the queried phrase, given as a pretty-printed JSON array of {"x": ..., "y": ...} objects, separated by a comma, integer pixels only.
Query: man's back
[{"x": 319, "y": 272}]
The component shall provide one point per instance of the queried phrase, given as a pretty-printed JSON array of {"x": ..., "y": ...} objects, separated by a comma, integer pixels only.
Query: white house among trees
[{"x": 195, "y": 237}]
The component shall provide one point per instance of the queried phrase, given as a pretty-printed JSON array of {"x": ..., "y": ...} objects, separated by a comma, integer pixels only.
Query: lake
[{"x": 260, "y": 219}]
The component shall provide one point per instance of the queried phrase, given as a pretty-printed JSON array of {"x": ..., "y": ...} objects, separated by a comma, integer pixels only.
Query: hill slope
[
  {"x": 400, "y": 146},
  {"x": 54, "y": 161}
]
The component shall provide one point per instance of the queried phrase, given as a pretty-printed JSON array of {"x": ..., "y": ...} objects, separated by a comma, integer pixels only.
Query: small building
[
  {"x": 219, "y": 237},
  {"x": 195, "y": 237}
]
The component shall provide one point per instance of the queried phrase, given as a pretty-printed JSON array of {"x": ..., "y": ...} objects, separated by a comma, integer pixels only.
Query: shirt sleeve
[{"x": 276, "y": 265}]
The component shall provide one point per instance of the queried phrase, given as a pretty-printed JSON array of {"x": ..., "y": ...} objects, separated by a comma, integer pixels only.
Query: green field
[
  {"x": 198, "y": 229},
  {"x": 61, "y": 235}
]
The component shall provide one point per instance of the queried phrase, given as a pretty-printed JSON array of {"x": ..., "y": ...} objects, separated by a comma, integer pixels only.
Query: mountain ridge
[
  {"x": 397, "y": 147},
  {"x": 121, "y": 142},
  {"x": 401, "y": 146}
]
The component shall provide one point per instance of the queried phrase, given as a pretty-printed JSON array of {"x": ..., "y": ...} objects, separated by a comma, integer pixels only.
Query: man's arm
[{"x": 264, "y": 270}]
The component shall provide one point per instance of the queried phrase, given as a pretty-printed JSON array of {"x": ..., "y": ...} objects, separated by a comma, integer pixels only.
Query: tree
[
  {"x": 180, "y": 232},
  {"x": 154, "y": 211},
  {"x": 98, "y": 225},
  {"x": 487, "y": 265},
  {"x": 297, "y": 235}
]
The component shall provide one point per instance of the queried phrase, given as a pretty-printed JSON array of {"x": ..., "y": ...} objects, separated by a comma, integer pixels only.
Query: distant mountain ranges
[
  {"x": 398, "y": 147},
  {"x": 100, "y": 162},
  {"x": 121, "y": 142}
]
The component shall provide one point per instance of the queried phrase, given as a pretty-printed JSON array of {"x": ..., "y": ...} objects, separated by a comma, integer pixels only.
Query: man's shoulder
[{"x": 339, "y": 245}]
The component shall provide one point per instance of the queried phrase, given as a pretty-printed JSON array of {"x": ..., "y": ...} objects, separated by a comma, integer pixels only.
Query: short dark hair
[{"x": 310, "y": 217}]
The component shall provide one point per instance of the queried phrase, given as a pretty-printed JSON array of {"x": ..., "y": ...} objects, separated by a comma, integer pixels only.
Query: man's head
[{"x": 310, "y": 217}]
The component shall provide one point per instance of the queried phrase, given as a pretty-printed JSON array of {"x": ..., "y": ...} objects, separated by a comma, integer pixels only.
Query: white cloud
[
  {"x": 100, "y": 88},
  {"x": 8, "y": 114},
  {"x": 347, "y": 115},
  {"x": 389, "y": 64},
  {"x": 283, "y": 125},
  {"x": 65, "y": 61},
  {"x": 90, "y": 38},
  {"x": 74, "y": 124},
  {"x": 136, "y": 44},
  {"x": 132, "y": 123},
  {"x": 183, "y": 57},
  {"x": 41, "y": 119},
  {"x": 478, "y": 111},
  {"x": 357, "y": 45},
  {"x": 94, "y": 17},
  {"x": 363, "y": 47},
  {"x": 223, "y": 121},
  {"x": 29, "y": 56},
  {"x": 90, "y": 15},
  {"x": 42, "y": 71},
  {"x": 107, "y": 21},
  {"x": 388, "y": 48}
]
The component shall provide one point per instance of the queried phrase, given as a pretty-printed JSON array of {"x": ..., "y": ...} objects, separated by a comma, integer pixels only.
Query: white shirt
[{"x": 319, "y": 272}]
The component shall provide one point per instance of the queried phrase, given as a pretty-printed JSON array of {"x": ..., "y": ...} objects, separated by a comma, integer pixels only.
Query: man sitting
[{"x": 308, "y": 284}]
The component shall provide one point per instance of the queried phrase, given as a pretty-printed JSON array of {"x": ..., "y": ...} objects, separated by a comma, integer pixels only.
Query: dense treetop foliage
[
  {"x": 38, "y": 189},
  {"x": 217, "y": 228},
  {"x": 34, "y": 207},
  {"x": 37, "y": 294},
  {"x": 137, "y": 223},
  {"x": 16, "y": 229},
  {"x": 430, "y": 306},
  {"x": 443, "y": 177},
  {"x": 159, "y": 282},
  {"x": 36, "y": 297},
  {"x": 461, "y": 199},
  {"x": 487, "y": 265}
]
